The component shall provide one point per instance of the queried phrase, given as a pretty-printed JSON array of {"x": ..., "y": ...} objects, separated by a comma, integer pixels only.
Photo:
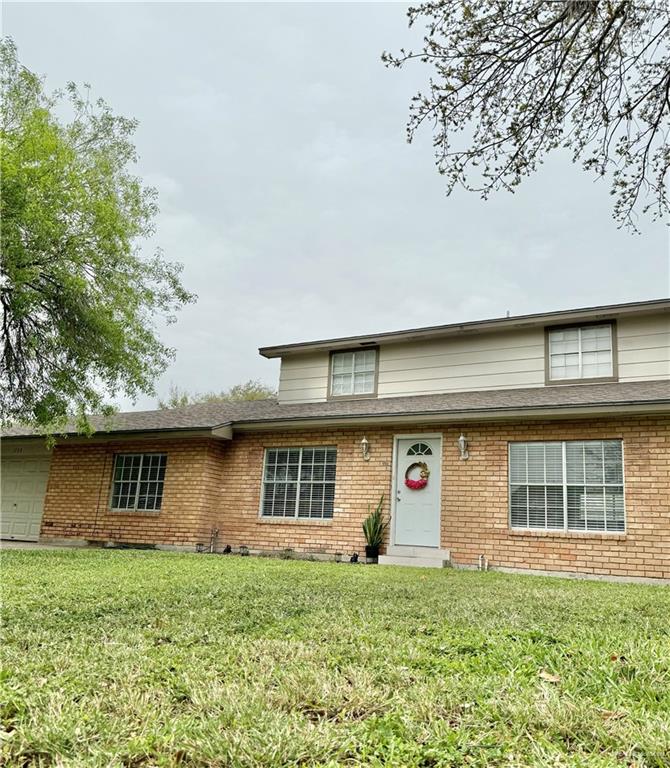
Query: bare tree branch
[{"x": 525, "y": 77}]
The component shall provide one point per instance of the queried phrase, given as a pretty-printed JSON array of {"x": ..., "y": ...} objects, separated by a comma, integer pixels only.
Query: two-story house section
[
  {"x": 578, "y": 347},
  {"x": 537, "y": 442}
]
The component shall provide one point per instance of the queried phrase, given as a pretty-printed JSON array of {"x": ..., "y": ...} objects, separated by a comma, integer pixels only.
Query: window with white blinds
[
  {"x": 581, "y": 353},
  {"x": 299, "y": 482},
  {"x": 572, "y": 486},
  {"x": 353, "y": 373}
]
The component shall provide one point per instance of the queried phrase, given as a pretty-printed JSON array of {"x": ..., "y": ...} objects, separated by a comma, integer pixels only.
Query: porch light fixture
[
  {"x": 463, "y": 447},
  {"x": 365, "y": 449}
]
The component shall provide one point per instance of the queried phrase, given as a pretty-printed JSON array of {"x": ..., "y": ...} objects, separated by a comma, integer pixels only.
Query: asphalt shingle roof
[{"x": 211, "y": 415}]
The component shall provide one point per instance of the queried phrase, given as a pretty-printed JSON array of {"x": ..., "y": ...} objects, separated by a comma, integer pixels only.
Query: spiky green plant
[{"x": 374, "y": 525}]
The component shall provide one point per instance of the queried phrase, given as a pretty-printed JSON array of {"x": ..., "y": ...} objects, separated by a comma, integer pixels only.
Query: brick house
[{"x": 538, "y": 442}]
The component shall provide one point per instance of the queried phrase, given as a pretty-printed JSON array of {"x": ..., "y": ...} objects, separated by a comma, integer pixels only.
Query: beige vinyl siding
[
  {"x": 500, "y": 360},
  {"x": 644, "y": 348},
  {"x": 490, "y": 361},
  {"x": 304, "y": 378}
]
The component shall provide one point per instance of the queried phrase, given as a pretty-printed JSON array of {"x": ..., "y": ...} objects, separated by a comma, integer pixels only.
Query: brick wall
[
  {"x": 77, "y": 499},
  {"x": 474, "y": 497},
  {"x": 358, "y": 483},
  {"x": 475, "y": 506},
  {"x": 218, "y": 484}
]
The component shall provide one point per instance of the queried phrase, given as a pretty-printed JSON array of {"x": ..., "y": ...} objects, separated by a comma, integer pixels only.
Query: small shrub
[{"x": 374, "y": 525}]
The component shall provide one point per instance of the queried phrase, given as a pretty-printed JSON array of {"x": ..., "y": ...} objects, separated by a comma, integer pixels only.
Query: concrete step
[
  {"x": 414, "y": 562},
  {"x": 399, "y": 550}
]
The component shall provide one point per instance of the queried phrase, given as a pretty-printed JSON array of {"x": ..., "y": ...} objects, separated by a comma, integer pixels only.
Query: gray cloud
[{"x": 276, "y": 139}]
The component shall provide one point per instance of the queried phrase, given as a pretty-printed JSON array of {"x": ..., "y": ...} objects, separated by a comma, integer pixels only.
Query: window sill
[
  {"x": 135, "y": 512},
  {"x": 592, "y": 380},
  {"x": 294, "y": 521},
  {"x": 597, "y": 535},
  {"x": 362, "y": 396}
]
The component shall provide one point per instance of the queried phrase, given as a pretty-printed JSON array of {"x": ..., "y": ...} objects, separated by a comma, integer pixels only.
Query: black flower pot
[{"x": 371, "y": 553}]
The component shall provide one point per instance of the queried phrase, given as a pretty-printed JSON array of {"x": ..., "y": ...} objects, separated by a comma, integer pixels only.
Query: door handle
[{"x": 397, "y": 496}]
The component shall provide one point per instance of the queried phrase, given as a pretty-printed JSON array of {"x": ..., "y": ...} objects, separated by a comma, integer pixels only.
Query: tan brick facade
[
  {"x": 78, "y": 492},
  {"x": 218, "y": 484}
]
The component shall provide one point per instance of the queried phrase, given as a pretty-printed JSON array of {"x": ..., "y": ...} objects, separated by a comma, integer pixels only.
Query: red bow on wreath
[{"x": 422, "y": 482}]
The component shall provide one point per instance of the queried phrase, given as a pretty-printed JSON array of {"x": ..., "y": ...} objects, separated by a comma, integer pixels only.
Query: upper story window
[
  {"x": 353, "y": 374},
  {"x": 584, "y": 352}
]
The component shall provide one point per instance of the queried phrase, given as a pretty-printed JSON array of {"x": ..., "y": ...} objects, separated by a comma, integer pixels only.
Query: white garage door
[{"x": 24, "y": 484}]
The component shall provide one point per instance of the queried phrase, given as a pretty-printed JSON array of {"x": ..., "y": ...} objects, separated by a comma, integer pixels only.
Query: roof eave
[
  {"x": 481, "y": 414},
  {"x": 609, "y": 311},
  {"x": 221, "y": 431}
]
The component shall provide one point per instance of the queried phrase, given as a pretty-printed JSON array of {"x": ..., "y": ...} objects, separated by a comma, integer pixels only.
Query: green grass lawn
[{"x": 152, "y": 659}]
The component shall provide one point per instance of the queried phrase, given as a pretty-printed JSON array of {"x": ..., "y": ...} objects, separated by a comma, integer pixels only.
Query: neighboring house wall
[
  {"x": 474, "y": 497},
  {"x": 501, "y": 360},
  {"x": 78, "y": 492}
]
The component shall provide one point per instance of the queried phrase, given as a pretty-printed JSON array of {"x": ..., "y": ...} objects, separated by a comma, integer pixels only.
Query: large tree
[
  {"x": 80, "y": 298},
  {"x": 512, "y": 80},
  {"x": 248, "y": 390}
]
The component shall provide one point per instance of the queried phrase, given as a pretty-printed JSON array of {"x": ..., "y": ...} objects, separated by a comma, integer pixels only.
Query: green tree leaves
[
  {"x": 248, "y": 390},
  {"x": 79, "y": 297}
]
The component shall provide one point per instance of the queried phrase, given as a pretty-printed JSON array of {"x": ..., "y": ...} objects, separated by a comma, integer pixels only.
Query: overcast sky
[{"x": 276, "y": 139}]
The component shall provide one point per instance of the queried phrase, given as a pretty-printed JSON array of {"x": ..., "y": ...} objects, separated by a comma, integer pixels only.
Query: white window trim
[
  {"x": 564, "y": 528},
  {"x": 353, "y": 395},
  {"x": 134, "y": 510},
  {"x": 295, "y": 516},
  {"x": 612, "y": 376}
]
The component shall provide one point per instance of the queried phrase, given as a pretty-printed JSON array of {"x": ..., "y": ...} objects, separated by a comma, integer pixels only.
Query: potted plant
[{"x": 374, "y": 528}]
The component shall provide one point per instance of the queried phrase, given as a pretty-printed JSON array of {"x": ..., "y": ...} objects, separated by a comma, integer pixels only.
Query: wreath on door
[{"x": 422, "y": 482}]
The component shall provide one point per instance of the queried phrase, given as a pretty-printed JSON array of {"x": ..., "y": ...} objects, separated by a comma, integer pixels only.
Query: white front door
[{"x": 417, "y": 510}]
